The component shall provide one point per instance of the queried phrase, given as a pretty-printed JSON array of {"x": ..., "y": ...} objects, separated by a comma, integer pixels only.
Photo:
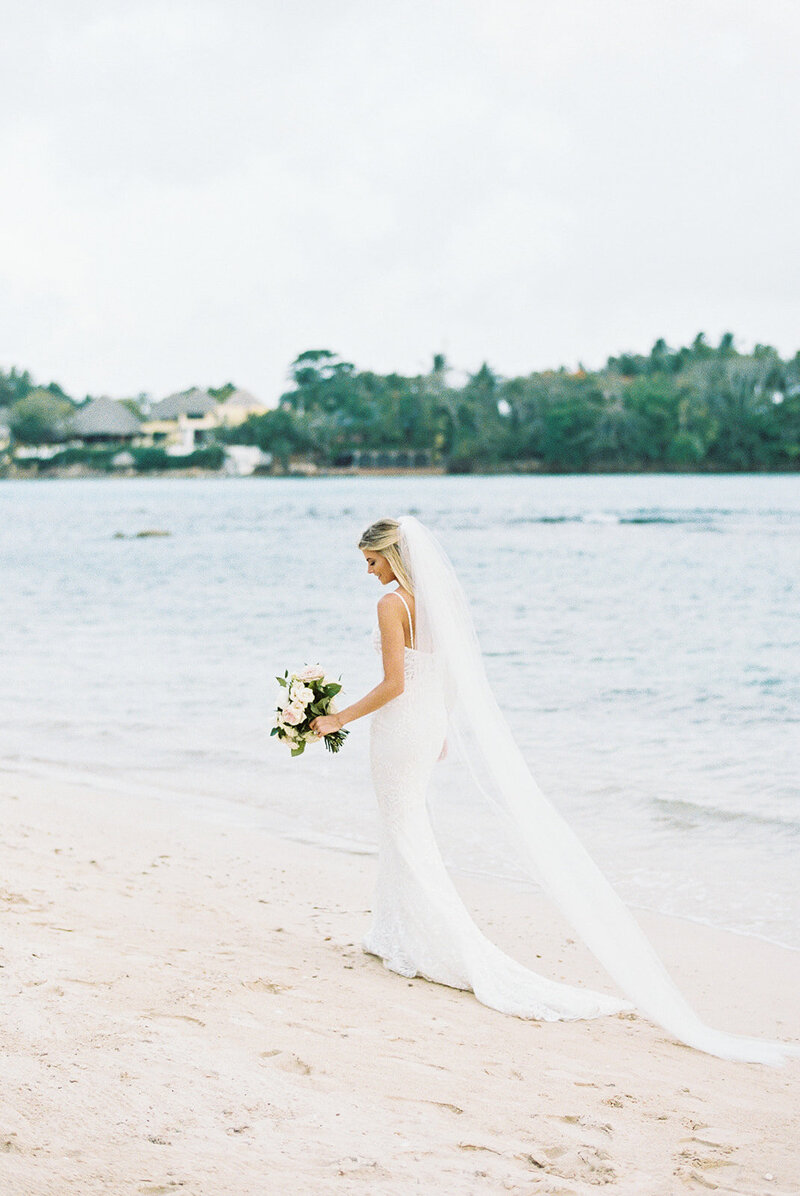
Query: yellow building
[
  {"x": 239, "y": 406},
  {"x": 186, "y": 421},
  {"x": 182, "y": 422}
]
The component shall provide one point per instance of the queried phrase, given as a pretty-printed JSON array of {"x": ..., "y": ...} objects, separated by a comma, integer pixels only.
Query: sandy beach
[{"x": 186, "y": 1008}]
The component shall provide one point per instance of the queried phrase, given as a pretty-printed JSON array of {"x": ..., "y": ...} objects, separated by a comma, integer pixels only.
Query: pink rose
[
  {"x": 293, "y": 716},
  {"x": 312, "y": 673}
]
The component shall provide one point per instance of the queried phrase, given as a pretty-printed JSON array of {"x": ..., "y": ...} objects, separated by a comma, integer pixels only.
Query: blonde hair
[{"x": 384, "y": 537}]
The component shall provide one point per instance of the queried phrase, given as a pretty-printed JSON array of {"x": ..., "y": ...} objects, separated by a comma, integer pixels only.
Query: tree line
[
  {"x": 697, "y": 407},
  {"x": 692, "y": 408}
]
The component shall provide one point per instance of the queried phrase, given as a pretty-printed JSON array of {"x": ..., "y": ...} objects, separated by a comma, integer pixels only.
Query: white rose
[{"x": 301, "y": 694}]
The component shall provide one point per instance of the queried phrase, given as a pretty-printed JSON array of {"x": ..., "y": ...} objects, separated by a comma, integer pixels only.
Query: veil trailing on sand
[{"x": 558, "y": 860}]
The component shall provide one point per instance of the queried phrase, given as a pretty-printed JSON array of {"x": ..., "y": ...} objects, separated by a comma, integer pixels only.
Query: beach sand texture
[{"x": 186, "y": 1009}]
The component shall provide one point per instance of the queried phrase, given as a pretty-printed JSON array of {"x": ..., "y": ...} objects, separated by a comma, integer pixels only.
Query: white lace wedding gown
[{"x": 420, "y": 925}]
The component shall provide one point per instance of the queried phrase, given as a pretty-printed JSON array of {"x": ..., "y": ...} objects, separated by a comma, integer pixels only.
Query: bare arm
[{"x": 393, "y": 648}]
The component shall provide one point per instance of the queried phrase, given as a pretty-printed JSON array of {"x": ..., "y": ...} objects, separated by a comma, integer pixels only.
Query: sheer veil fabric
[{"x": 556, "y": 857}]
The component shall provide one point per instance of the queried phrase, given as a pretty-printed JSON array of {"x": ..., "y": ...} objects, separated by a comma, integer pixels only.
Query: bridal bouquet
[{"x": 305, "y": 696}]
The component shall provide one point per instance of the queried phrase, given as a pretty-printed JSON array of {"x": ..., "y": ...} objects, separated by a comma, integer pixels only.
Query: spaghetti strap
[{"x": 408, "y": 612}]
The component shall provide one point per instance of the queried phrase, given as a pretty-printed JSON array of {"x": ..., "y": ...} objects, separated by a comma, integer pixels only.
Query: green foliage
[
  {"x": 148, "y": 459},
  {"x": 696, "y": 407},
  {"x": 280, "y": 432},
  {"x": 145, "y": 459},
  {"x": 221, "y": 393},
  {"x": 96, "y": 458},
  {"x": 14, "y": 385},
  {"x": 209, "y": 457},
  {"x": 135, "y": 406},
  {"x": 40, "y": 417}
]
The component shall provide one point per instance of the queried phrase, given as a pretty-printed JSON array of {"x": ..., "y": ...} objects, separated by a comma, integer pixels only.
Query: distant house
[
  {"x": 239, "y": 405},
  {"x": 194, "y": 404},
  {"x": 105, "y": 421},
  {"x": 182, "y": 422}
]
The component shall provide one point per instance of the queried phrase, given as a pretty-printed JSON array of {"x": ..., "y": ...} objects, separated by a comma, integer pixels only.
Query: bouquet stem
[{"x": 335, "y": 740}]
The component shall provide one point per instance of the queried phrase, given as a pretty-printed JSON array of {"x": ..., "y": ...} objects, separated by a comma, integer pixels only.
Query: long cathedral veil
[{"x": 559, "y": 861}]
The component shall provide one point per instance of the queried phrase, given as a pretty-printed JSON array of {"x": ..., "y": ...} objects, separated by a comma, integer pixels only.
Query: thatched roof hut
[
  {"x": 194, "y": 403},
  {"x": 104, "y": 419}
]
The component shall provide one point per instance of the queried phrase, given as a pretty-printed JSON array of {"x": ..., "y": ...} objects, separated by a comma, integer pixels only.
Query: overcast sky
[{"x": 196, "y": 191}]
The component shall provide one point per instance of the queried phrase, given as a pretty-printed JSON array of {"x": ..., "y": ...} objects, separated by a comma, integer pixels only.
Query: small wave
[
  {"x": 554, "y": 519},
  {"x": 687, "y": 807},
  {"x": 517, "y": 520},
  {"x": 332, "y": 842},
  {"x": 657, "y": 519},
  {"x": 613, "y": 518},
  {"x": 698, "y": 920}
]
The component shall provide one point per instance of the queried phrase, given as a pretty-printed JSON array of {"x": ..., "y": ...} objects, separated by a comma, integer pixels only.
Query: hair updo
[{"x": 384, "y": 537}]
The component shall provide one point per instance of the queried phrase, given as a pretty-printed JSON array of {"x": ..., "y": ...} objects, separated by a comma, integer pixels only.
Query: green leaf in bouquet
[
  {"x": 332, "y": 690},
  {"x": 282, "y": 681},
  {"x": 298, "y": 751},
  {"x": 275, "y": 731}
]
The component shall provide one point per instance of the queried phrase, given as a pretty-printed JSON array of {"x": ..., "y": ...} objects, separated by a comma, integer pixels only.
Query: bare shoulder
[
  {"x": 387, "y": 607},
  {"x": 390, "y": 611}
]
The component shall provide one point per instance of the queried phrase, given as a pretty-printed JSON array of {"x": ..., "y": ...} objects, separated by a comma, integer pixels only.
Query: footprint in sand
[
  {"x": 287, "y": 1062},
  {"x": 355, "y": 1167},
  {"x": 580, "y": 1154},
  {"x": 703, "y": 1153},
  {"x": 178, "y": 1017},
  {"x": 265, "y": 986},
  {"x": 421, "y": 1100}
]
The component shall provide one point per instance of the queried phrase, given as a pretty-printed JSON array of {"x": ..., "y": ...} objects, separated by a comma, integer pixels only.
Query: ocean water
[{"x": 641, "y": 633}]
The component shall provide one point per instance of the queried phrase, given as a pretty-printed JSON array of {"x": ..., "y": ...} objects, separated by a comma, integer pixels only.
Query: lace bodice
[{"x": 416, "y": 662}]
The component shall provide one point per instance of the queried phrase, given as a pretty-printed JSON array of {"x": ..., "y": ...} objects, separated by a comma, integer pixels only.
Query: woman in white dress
[{"x": 434, "y": 688}]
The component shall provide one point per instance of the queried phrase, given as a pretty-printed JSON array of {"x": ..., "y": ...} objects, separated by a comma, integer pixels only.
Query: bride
[{"x": 435, "y": 689}]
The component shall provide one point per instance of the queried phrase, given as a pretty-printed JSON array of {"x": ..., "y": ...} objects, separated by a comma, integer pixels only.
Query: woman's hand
[{"x": 326, "y": 724}]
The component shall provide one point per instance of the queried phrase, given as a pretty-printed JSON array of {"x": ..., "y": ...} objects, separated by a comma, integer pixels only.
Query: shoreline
[
  {"x": 14, "y": 474},
  {"x": 228, "y": 811},
  {"x": 186, "y": 1007}
]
